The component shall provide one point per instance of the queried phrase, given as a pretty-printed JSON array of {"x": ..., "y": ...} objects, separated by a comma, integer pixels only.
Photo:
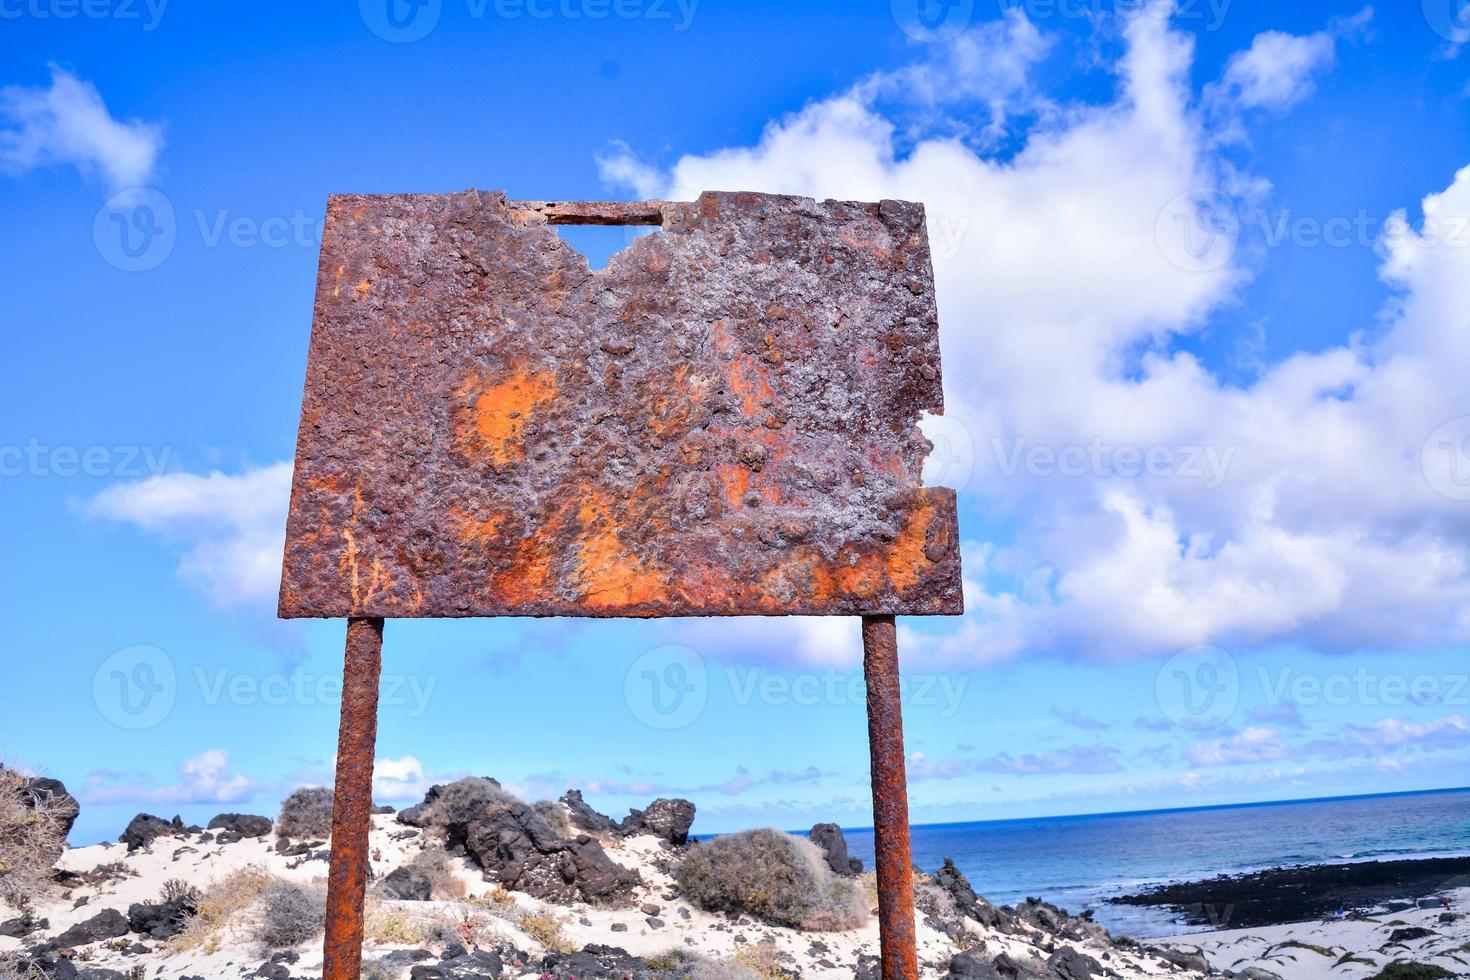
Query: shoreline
[{"x": 1303, "y": 893}]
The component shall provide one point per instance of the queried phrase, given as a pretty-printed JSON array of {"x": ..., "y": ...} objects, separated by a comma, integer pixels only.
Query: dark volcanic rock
[
  {"x": 163, "y": 919},
  {"x": 950, "y": 879},
  {"x": 584, "y": 817},
  {"x": 666, "y": 819},
  {"x": 593, "y": 961},
  {"x": 22, "y": 926},
  {"x": 828, "y": 836},
  {"x": 244, "y": 824},
  {"x": 408, "y": 883},
  {"x": 53, "y": 791},
  {"x": 1298, "y": 894},
  {"x": 526, "y": 854},
  {"x": 967, "y": 967},
  {"x": 1068, "y": 964},
  {"x": 143, "y": 829},
  {"x": 107, "y": 924}
]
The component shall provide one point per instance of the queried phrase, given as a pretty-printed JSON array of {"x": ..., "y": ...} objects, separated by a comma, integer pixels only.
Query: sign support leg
[
  {"x": 352, "y": 803},
  {"x": 890, "y": 800}
]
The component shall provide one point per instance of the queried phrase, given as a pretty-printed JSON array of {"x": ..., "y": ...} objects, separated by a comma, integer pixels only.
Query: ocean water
[{"x": 1077, "y": 862}]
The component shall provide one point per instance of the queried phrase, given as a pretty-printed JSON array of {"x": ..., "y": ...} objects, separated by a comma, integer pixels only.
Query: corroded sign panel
[{"x": 721, "y": 422}]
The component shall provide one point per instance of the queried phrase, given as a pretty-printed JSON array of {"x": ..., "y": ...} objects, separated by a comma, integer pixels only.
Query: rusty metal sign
[{"x": 721, "y": 422}]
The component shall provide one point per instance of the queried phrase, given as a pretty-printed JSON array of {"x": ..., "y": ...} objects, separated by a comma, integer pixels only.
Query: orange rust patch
[
  {"x": 494, "y": 425},
  {"x": 901, "y": 567},
  {"x": 611, "y": 577}
]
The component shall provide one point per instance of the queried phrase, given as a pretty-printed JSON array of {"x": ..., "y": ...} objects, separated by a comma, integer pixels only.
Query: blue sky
[{"x": 1204, "y": 274}]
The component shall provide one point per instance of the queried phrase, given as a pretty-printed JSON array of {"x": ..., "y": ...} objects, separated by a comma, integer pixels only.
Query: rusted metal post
[
  {"x": 352, "y": 804},
  {"x": 890, "y": 800}
]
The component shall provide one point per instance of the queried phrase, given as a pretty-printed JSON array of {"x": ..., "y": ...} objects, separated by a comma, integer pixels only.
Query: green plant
[
  {"x": 773, "y": 876},
  {"x": 545, "y": 929}
]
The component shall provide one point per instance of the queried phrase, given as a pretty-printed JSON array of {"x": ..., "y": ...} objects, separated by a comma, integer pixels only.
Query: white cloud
[
  {"x": 1278, "y": 70},
  {"x": 1251, "y": 745},
  {"x": 68, "y": 123},
  {"x": 1063, "y": 285},
  {"x": 203, "y": 778},
  {"x": 231, "y": 527},
  {"x": 1382, "y": 739}
]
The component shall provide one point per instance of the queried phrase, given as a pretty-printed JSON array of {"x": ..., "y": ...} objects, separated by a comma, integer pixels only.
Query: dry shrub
[
  {"x": 444, "y": 884},
  {"x": 31, "y": 840},
  {"x": 545, "y": 929},
  {"x": 463, "y": 924},
  {"x": 306, "y": 813},
  {"x": 289, "y": 914},
  {"x": 463, "y": 801},
  {"x": 764, "y": 960},
  {"x": 386, "y": 925},
  {"x": 555, "y": 815},
  {"x": 773, "y": 876},
  {"x": 179, "y": 890},
  {"x": 224, "y": 903},
  {"x": 732, "y": 969}
]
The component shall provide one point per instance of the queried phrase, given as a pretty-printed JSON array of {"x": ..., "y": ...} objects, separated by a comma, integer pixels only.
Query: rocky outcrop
[
  {"x": 107, "y": 924},
  {"x": 584, "y": 817},
  {"x": 143, "y": 829},
  {"x": 667, "y": 819},
  {"x": 526, "y": 854},
  {"x": 161, "y": 920},
  {"x": 41, "y": 789},
  {"x": 408, "y": 883},
  {"x": 828, "y": 836},
  {"x": 593, "y": 961},
  {"x": 240, "y": 825},
  {"x": 967, "y": 903}
]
